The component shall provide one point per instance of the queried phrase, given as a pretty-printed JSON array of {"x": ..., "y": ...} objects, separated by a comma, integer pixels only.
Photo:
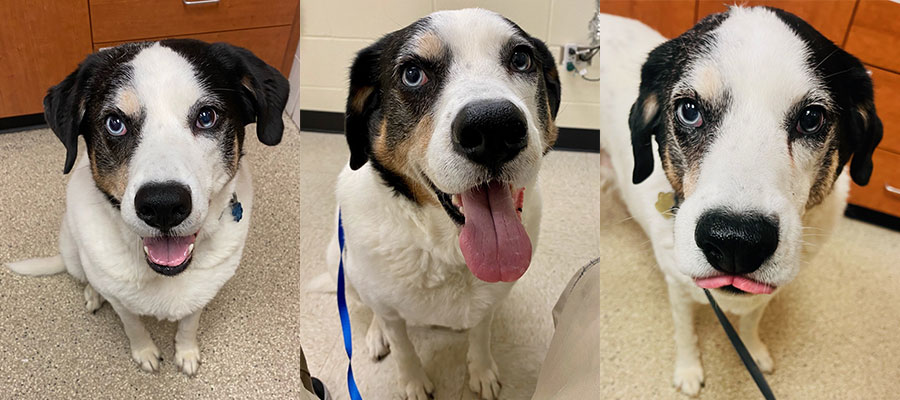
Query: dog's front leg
[
  {"x": 414, "y": 384},
  {"x": 187, "y": 351},
  {"x": 484, "y": 377},
  {"x": 688, "y": 370},
  {"x": 749, "y": 330},
  {"x": 143, "y": 350}
]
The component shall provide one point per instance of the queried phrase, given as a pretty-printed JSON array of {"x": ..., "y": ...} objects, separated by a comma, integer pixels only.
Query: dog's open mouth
[
  {"x": 734, "y": 283},
  {"x": 492, "y": 239},
  {"x": 169, "y": 255}
]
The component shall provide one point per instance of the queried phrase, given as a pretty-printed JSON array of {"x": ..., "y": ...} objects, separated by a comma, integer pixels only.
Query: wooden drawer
[
  {"x": 269, "y": 44},
  {"x": 887, "y": 102},
  {"x": 875, "y": 34},
  {"x": 33, "y": 53},
  {"x": 670, "y": 17},
  {"x": 877, "y": 195},
  {"x": 830, "y": 17},
  {"x": 128, "y": 20}
]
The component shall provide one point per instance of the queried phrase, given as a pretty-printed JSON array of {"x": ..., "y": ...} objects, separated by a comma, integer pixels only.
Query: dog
[
  {"x": 447, "y": 122},
  {"x": 159, "y": 204},
  {"x": 754, "y": 115}
]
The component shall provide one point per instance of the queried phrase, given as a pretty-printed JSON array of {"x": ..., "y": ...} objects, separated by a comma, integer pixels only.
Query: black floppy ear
[
  {"x": 64, "y": 108},
  {"x": 646, "y": 117},
  {"x": 362, "y": 102},
  {"x": 551, "y": 76},
  {"x": 263, "y": 88},
  {"x": 865, "y": 134}
]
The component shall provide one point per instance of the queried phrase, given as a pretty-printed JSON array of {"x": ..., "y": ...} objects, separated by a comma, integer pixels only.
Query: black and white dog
[
  {"x": 447, "y": 122},
  {"x": 158, "y": 206},
  {"x": 754, "y": 115}
]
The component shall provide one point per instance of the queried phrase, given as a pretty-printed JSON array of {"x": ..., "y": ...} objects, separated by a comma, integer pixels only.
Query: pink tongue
[
  {"x": 493, "y": 240},
  {"x": 747, "y": 285},
  {"x": 169, "y": 251}
]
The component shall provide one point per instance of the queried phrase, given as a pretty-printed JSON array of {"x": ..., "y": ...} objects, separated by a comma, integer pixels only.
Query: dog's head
[
  {"x": 164, "y": 127},
  {"x": 457, "y": 110},
  {"x": 755, "y": 114}
]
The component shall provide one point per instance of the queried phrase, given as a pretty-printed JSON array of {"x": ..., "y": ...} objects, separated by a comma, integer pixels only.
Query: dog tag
[{"x": 664, "y": 203}]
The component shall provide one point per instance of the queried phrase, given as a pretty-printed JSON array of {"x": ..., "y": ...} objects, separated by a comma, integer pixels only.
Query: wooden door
[{"x": 41, "y": 41}]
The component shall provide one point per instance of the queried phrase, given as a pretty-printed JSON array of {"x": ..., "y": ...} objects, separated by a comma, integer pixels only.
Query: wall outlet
[{"x": 569, "y": 56}]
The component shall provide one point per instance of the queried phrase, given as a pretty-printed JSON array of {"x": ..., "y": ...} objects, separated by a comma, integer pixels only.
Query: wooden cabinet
[
  {"x": 41, "y": 42},
  {"x": 875, "y": 34},
  {"x": 669, "y": 17}
]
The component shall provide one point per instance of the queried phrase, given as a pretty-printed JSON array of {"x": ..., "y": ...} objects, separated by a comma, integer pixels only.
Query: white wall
[{"x": 332, "y": 31}]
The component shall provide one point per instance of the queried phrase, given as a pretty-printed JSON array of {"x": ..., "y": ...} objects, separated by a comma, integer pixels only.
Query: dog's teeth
[
  {"x": 146, "y": 250},
  {"x": 455, "y": 200},
  {"x": 191, "y": 248}
]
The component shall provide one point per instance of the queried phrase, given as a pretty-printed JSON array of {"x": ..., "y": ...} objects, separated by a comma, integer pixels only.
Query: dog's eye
[
  {"x": 520, "y": 60},
  {"x": 688, "y": 112},
  {"x": 206, "y": 118},
  {"x": 413, "y": 76},
  {"x": 115, "y": 126},
  {"x": 811, "y": 120}
]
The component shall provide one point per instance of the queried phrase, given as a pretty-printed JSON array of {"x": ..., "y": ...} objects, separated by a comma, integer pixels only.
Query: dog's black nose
[
  {"x": 490, "y": 132},
  {"x": 736, "y": 243},
  {"x": 163, "y": 205}
]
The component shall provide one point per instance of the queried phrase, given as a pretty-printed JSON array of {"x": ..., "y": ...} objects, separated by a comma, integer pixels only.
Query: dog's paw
[
  {"x": 147, "y": 357},
  {"x": 379, "y": 348},
  {"x": 689, "y": 379},
  {"x": 92, "y": 299},
  {"x": 761, "y": 355},
  {"x": 188, "y": 360},
  {"x": 485, "y": 380},
  {"x": 417, "y": 387}
]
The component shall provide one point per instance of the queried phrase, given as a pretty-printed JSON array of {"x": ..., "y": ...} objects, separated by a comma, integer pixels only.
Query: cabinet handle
[
  {"x": 195, "y": 2},
  {"x": 892, "y": 189}
]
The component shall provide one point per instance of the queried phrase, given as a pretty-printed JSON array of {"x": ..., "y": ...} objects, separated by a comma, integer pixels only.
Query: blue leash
[{"x": 345, "y": 316}]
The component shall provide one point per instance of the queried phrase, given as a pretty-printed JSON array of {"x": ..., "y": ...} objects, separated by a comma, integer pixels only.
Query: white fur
[
  {"x": 103, "y": 247},
  {"x": 746, "y": 168},
  {"x": 403, "y": 260}
]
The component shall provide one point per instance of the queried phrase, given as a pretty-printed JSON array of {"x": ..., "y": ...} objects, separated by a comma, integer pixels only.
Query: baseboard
[
  {"x": 22, "y": 123},
  {"x": 570, "y": 139},
  {"x": 873, "y": 217}
]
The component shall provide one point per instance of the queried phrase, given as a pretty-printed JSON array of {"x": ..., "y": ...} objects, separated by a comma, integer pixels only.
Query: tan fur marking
[
  {"x": 671, "y": 174},
  {"x": 429, "y": 46},
  {"x": 113, "y": 183},
  {"x": 396, "y": 159},
  {"x": 709, "y": 83},
  {"x": 552, "y": 132},
  {"x": 824, "y": 181},
  {"x": 128, "y": 102},
  {"x": 360, "y": 97}
]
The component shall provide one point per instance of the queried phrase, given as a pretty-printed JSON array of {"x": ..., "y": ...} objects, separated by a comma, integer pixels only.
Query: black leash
[{"x": 741, "y": 350}]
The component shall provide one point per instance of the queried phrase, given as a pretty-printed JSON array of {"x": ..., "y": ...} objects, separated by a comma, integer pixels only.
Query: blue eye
[
  {"x": 413, "y": 76},
  {"x": 521, "y": 60},
  {"x": 115, "y": 126},
  {"x": 688, "y": 113},
  {"x": 206, "y": 118}
]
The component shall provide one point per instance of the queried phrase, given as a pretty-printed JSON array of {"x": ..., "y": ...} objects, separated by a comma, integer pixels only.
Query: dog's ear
[
  {"x": 64, "y": 108},
  {"x": 264, "y": 91},
  {"x": 860, "y": 127},
  {"x": 646, "y": 116},
  {"x": 363, "y": 101},
  {"x": 866, "y": 132},
  {"x": 551, "y": 75}
]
